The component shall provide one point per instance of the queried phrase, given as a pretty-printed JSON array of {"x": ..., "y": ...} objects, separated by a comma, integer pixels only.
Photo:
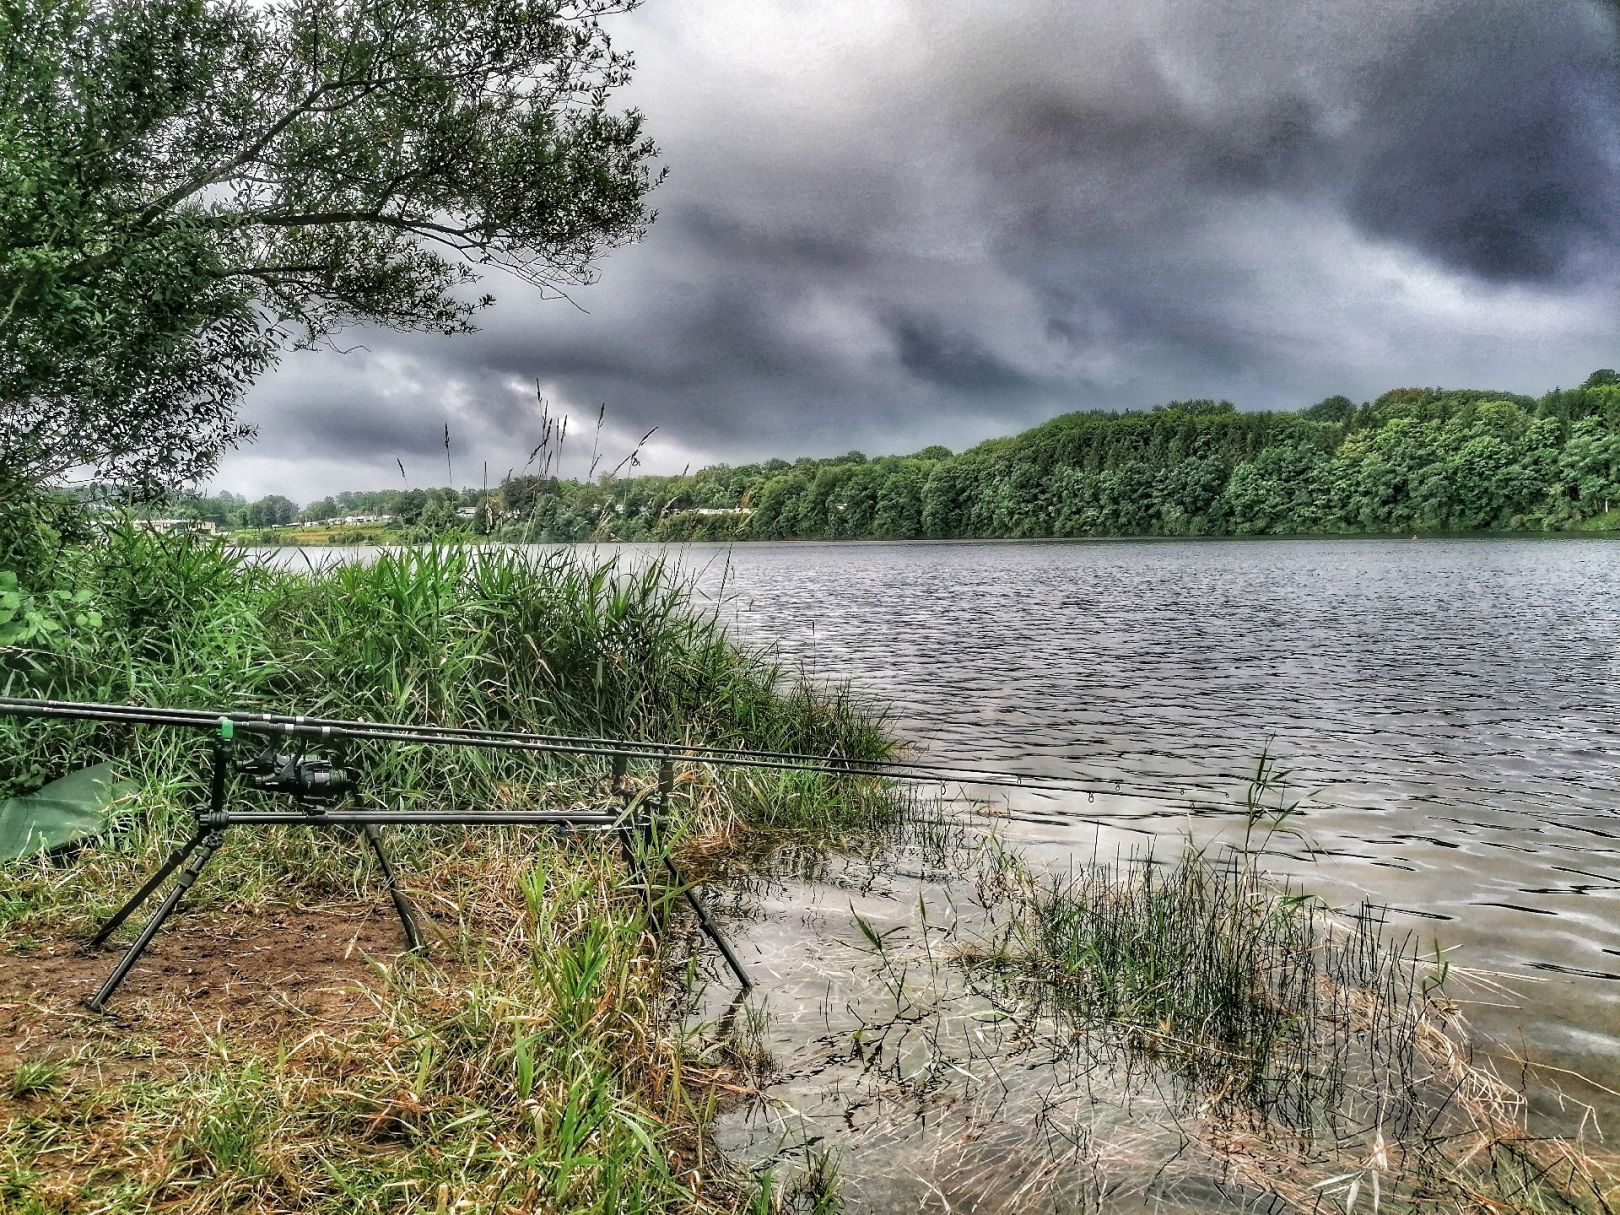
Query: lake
[{"x": 1449, "y": 710}]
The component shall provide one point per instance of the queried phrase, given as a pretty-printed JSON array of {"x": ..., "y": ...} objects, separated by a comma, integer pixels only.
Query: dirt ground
[{"x": 277, "y": 976}]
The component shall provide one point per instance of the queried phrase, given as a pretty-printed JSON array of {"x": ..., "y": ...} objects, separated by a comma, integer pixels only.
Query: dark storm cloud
[
  {"x": 891, "y": 223},
  {"x": 1485, "y": 140},
  {"x": 363, "y": 423},
  {"x": 1484, "y": 143},
  {"x": 953, "y": 360}
]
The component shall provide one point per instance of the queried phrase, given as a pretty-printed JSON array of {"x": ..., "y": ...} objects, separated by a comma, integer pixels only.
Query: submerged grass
[
  {"x": 1316, "y": 1054},
  {"x": 532, "y": 1061}
]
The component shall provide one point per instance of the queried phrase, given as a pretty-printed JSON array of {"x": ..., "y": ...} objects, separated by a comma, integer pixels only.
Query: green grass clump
[
  {"x": 497, "y": 638},
  {"x": 34, "y": 1076}
]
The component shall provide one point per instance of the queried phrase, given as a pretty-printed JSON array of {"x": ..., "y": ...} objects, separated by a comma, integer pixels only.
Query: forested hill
[{"x": 1412, "y": 460}]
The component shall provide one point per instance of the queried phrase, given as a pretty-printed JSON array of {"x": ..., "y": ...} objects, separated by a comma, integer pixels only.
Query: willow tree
[{"x": 189, "y": 187}]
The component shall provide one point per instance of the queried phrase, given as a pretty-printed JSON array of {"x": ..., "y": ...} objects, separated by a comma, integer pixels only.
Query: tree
[
  {"x": 1338, "y": 410},
  {"x": 1199, "y": 408},
  {"x": 1590, "y": 463},
  {"x": 409, "y": 505},
  {"x": 188, "y": 186},
  {"x": 273, "y": 511},
  {"x": 438, "y": 514}
]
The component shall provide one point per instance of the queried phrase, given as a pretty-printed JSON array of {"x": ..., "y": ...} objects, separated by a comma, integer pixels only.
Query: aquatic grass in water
[
  {"x": 991, "y": 1049},
  {"x": 1317, "y": 1055}
]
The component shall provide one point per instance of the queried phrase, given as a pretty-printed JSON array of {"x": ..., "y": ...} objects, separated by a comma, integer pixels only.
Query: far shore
[{"x": 296, "y": 537}]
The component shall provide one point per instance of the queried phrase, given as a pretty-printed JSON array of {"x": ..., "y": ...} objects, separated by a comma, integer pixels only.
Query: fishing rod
[
  {"x": 320, "y": 783},
  {"x": 319, "y": 728},
  {"x": 321, "y": 786},
  {"x": 833, "y": 765}
]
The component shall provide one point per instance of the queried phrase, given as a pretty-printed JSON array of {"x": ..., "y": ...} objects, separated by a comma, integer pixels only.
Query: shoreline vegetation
[
  {"x": 535, "y": 1058},
  {"x": 387, "y": 538},
  {"x": 281, "y": 1054},
  {"x": 1413, "y": 461}
]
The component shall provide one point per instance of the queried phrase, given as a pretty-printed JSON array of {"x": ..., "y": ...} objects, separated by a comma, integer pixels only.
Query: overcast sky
[{"x": 892, "y": 223}]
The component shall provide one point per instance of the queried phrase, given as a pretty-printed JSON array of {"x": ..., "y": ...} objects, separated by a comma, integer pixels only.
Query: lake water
[{"x": 1449, "y": 711}]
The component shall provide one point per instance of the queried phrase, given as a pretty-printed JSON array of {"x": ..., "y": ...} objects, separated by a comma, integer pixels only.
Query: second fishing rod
[{"x": 317, "y": 727}]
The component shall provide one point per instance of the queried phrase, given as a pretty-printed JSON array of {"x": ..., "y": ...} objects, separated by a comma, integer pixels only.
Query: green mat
[{"x": 65, "y": 812}]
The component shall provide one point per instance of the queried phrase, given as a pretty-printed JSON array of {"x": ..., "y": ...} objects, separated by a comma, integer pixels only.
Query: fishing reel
[{"x": 311, "y": 780}]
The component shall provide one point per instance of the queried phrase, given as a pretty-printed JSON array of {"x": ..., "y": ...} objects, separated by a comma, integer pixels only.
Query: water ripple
[{"x": 1449, "y": 706}]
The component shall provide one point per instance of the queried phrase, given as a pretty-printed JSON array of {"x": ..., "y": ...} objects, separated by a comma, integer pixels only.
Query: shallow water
[
  {"x": 930, "y": 1089},
  {"x": 1449, "y": 710}
]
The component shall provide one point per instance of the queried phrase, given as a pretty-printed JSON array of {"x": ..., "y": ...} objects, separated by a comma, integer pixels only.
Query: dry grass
[{"x": 528, "y": 1063}]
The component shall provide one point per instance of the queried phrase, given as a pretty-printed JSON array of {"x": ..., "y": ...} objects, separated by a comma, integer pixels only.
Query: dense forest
[{"x": 1414, "y": 460}]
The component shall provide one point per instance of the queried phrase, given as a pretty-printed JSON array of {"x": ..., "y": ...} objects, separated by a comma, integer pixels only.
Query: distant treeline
[
  {"x": 1414, "y": 460},
  {"x": 412, "y": 506}
]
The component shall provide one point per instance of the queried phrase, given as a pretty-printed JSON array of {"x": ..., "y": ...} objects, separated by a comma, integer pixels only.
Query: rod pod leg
[
  {"x": 709, "y": 927},
  {"x": 633, "y": 865},
  {"x": 176, "y": 858},
  {"x": 205, "y": 849},
  {"x": 628, "y": 830},
  {"x": 407, "y": 913},
  {"x": 654, "y": 830}
]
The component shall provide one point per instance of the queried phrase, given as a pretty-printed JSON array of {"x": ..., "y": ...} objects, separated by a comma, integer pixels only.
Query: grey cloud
[
  {"x": 953, "y": 359},
  {"x": 1484, "y": 140},
  {"x": 895, "y": 222},
  {"x": 1490, "y": 145}
]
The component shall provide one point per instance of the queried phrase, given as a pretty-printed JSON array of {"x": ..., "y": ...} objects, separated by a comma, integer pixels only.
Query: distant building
[
  {"x": 350, "y": 520},
  {"x": 176, "y": 527}
]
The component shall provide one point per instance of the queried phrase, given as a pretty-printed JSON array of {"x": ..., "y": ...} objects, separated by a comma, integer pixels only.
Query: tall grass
[
  {"x": 532, "y": 1061},
  {"x": 497, "y": 638},
  {"x": 1318, "y": 1054}
]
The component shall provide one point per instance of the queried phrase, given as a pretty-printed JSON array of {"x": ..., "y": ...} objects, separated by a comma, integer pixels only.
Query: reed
[{"x": 1319, "y": 1055}]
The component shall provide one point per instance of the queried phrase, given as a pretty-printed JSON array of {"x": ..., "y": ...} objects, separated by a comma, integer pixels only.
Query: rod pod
[
  {"x": 212, "y": 820},
  {"x": 206, "y": 839}
]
